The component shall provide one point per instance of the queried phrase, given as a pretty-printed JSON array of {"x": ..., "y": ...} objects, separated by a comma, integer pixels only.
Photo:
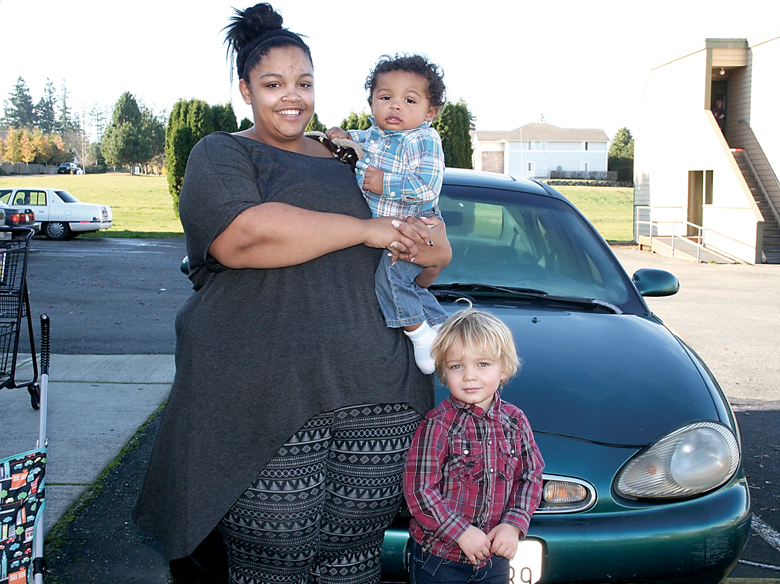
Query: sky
[{"x": 576, "y": 64}]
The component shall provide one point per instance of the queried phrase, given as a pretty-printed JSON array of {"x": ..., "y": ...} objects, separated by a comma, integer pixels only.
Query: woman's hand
[
  {"x": 337, "y": 132},
  {"x": 432, "y": 248},
  {"x": 393, "y": 235}
]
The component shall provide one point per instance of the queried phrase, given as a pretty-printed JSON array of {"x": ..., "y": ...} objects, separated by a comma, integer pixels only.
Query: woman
[{"x": 293, "y": 405}]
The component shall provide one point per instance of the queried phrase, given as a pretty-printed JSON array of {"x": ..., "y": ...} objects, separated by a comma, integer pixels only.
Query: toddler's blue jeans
[{"x": 425, "y": 568}]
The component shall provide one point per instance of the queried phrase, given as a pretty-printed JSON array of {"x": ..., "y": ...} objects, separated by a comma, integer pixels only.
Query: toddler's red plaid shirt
[{"x": 470, "y": 467}]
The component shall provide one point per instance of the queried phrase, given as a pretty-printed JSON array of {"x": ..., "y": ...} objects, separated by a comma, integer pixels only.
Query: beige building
[
  {"x": 693, "y": 178},
  {"x": 537, "y": 149}
]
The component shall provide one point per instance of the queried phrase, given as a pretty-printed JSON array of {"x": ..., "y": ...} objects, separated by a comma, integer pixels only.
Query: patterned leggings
[{"x": 318, "y": 511}]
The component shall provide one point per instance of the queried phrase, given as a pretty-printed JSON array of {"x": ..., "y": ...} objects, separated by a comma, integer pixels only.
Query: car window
[
  {"x": 29, "y": 197},
  {"x": 37, "y": 198},
  {"x": 521, "y": 240},
  {"x": 66, "y": 197},
  {"x": 5, "y": 194}
]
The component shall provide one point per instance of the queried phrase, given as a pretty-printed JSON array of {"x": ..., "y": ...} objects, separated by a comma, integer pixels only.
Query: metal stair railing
[
  {"x": 760, "y": 183},
  {"x": 699, "y": 242}
]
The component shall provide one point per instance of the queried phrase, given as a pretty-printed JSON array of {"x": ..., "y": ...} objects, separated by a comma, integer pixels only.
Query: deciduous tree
[
  {"x": 13, "y": 145},
  {"x": 621, "y": 155},
  {"x": 27, "y": 146}
]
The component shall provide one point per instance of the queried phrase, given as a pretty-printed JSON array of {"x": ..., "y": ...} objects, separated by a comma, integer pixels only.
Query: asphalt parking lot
[
  {"x": 730, "y": 315},
  {"x": 125, "y": 299}
]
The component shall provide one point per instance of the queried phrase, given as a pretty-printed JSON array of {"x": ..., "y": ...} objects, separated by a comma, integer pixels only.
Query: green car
[
  {"x": 643, "y": 475},
  {"x": 643, "y": 469}
]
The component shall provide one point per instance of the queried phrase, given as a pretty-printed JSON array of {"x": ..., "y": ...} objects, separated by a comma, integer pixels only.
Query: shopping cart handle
[{"x": 45, "y": 344}]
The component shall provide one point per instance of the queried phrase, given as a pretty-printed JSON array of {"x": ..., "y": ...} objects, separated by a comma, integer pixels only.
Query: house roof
[{"x": 541, "y": 131}]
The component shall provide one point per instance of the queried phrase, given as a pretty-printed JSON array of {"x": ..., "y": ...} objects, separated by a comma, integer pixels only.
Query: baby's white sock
[{"x": 422, "y": 339}]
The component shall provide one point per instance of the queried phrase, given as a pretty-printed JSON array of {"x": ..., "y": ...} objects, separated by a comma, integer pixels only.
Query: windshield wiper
[
  {"x": 453, "y": 289},
  {"x": 532, "y": 292}
]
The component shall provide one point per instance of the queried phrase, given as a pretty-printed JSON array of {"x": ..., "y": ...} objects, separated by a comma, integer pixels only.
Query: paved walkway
[{"x": 96, "y": 405}]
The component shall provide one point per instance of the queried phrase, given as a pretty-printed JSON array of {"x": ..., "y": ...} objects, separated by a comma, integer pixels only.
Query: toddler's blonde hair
[{"x": 478, "y": 330}]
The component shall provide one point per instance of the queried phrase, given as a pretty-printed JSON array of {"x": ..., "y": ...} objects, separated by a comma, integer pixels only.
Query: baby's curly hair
[{"x": 413, "y": 64}]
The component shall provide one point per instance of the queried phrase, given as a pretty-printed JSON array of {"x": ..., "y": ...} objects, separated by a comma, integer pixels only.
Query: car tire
[{"x": 56, "y": 230}]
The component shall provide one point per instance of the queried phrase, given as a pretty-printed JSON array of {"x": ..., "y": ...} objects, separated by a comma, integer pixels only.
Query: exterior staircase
[{"x": 771, "y": 242}]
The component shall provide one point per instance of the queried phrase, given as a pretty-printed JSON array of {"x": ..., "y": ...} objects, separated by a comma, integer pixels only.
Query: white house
[
  {"x": 536, "y": 149},
  {"x": 715, "y": 187}
]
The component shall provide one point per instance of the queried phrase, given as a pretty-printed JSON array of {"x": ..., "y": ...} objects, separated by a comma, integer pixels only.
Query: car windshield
[
  {"x": 529, "y": 245},
  {"x": 66, "y": 197}
]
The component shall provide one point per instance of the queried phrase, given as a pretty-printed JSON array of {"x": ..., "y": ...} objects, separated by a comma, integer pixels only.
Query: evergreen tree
[
  {"x": 224, "y": 118},
  {"x": 179, "y": 142},
  {"x": 45, "y": 114},
  {"x": 18, "y": 111},
  {"x": 154, "y": 127},
  {"x": 97, "y": 116},
  {"x": 315, "y": 125},
  {"x": 356, "y": 121},
  {"x": 350, "y": 122},
  {"x": 453, "y": 125},
  {"x": 363, "y": 122},
  {"x": 188, "y": 123},
  {"x": 246, "y": 123},
  {"x": 65, "y": 121},
  {"x": 125, "y": 141},
  {"x": 621, "y": 155}
]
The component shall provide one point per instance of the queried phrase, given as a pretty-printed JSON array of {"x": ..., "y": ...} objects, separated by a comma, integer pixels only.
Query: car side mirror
[
  {"x": 654, "y": 282},
  {"x": 185, "y": 266}
]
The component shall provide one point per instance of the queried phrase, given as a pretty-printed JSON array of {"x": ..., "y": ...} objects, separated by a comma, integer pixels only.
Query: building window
[
  {"x": 530, "y": 145},
  {"x": 584, "y": 167},
  {"x": 586, "y": 145}
]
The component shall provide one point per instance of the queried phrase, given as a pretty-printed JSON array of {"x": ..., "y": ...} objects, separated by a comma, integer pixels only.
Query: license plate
[{"x": 526, "y": 566}]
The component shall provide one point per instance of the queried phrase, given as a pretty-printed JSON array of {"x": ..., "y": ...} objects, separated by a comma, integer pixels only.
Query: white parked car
[{"x": 59, "y": 213}]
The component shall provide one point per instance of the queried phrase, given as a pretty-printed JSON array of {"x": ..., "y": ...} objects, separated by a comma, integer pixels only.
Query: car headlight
[
  {"x": 689, "y": 461},
  {"x": 566, "y": 495}
]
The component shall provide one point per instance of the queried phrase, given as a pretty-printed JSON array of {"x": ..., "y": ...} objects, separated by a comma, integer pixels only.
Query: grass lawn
[
  {"x": 142, "y": 206},
  {"x": 610, "y": 209}
]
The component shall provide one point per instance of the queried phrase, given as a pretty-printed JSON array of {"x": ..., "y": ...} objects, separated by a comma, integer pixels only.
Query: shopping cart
[
  {"x": 21, "y": 475},
  {"x": 22, "y": 495},
  {"x": 14, "y": 308}
]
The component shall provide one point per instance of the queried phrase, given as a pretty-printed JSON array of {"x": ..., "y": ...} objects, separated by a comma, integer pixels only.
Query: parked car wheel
[{"x": 56, "y": 230}]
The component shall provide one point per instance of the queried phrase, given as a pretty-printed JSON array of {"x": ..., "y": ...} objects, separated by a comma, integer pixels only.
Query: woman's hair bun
[
  {"x": 251, "y": 23},
  {"x": 253, "y": 32}
]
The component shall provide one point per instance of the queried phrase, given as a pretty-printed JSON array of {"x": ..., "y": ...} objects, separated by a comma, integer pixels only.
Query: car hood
[{"x": 614, "y": 379}]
